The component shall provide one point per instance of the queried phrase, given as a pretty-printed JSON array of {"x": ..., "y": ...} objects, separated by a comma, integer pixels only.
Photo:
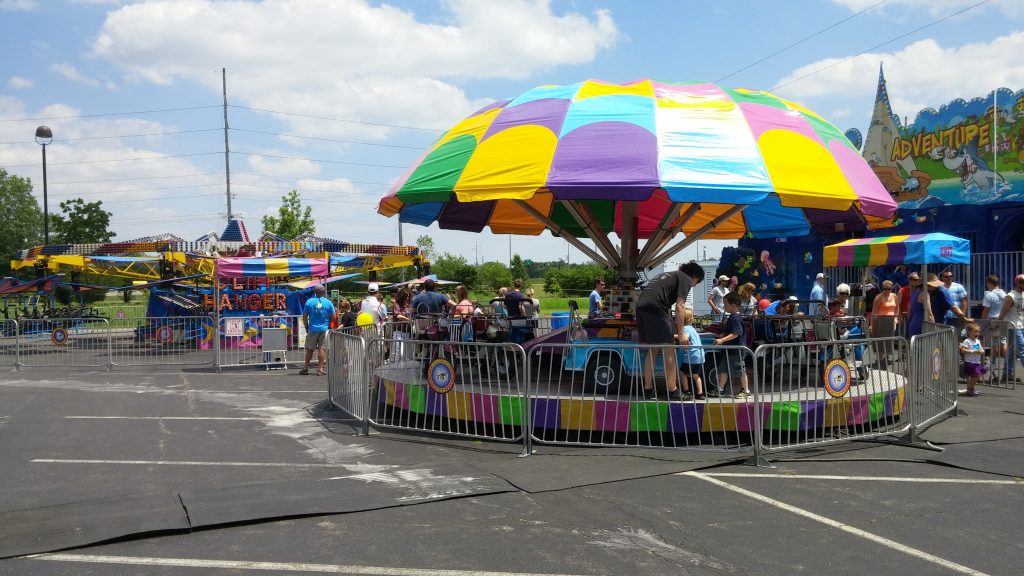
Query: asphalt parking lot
[{"x": 274, "y": 483}]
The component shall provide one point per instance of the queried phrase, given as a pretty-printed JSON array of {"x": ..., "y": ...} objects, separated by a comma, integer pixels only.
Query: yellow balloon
[{"x": 364, "y": 319}]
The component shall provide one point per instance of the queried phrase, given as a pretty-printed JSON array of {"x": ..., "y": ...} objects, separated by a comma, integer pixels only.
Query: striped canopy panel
[
  {"x": 934, "y": 248},
  {"x": 650, "y": 142},
  {"x": 261, "y": 267}
]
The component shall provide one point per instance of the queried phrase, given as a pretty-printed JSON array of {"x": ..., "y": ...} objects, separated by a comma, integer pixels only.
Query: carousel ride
[{"x": 660, "y": 166}]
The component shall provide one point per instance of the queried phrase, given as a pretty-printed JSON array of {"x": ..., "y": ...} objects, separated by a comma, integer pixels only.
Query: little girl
[
  {"x": 973, "y": 352},
  {"x": 692, "y": 365}
]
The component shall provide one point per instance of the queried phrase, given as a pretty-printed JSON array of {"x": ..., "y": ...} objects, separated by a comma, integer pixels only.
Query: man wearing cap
[
  {"x": 817, "y": 294},
  {"x": 317, "y": 314},
  {"x": 1013, "y": 312},
  {"x": 717, "y": 298},
  {"x": 373, "y": 306},
  {"x": 429, "y": 301}
]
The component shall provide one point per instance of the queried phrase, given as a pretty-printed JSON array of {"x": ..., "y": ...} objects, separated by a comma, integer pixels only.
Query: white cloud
[
  {"x": 911, "y": 74},
  {"x": 17, "y": 5},
  {"x": 349, "y": 58},
  {"x": 935, "y": 8},
  {"x": 71, "y": 73},
  {"x": 19, "y": 83},
  {"x": 282, "y": 166}
]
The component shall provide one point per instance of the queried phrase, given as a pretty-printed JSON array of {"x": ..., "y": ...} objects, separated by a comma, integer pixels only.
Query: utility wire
[
  {"x": 110, "y": 114},
  {"x": 163, "y": 157},
  {"x": 137, "y": 178},
  {"x": 798, "y": 42},
  {"x": 325, "y": 139},
  {"x": 890, "y": 41},
  {"x": 333, "y": 119},
  {"x": 310, "y": 160},
  {"x": 120, "y": 136}
]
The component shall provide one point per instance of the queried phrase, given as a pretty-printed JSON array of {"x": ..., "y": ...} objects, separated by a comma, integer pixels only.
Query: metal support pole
[
  {"x": 46, "y": 207},
  {"x": 565, "y": 234},
  {"x": 585, "y": 218},
  {"x": 691, "y": 238},
  {"x": 657, "y": 243}
]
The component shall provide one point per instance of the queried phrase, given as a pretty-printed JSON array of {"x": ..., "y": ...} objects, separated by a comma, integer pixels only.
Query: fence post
[
  {"x": 526, "y": 376},
  {"x": 17, "y": 345},
  {"x": 366, "y": 387},
  {"x": 110, "y": 346},
  {"x": 216, "y": 317},
  {"x": 758, "y": 458}
]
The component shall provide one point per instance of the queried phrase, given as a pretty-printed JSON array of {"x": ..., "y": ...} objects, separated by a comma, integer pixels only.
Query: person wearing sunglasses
[
  {"x": 959, "y": 294},
  {"x": 885, "y": 304}
]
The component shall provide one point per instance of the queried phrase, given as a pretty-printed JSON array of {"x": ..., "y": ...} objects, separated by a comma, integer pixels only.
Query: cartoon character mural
[{"x": 973, "y": 170}]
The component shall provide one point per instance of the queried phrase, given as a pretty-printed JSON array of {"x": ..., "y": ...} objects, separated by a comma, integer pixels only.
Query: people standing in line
[
  {"x": 973, "y": 353},
  {"x": 942, "y": 301},
  {"x": 716, "y": 298},
  {"x": 918, "y": 307},
  {"x": 316, "y": 316},
  {"x": 730, "y": 364},
  {"x": 1013, "y": 312},
  {"x": 885, "y": 304},
  {"x": 429, "y": 301},
  {"x": 903, "y": 295},
  {"x": 991, "y": 304},
  {"x": 655, "y": 326},
  {"x": 594, "y": 302},
  {"x": 348, "y": 316},
  {"x": 693, "y": 358},
  {"x": 818, "y": 297},
  {"x": 372, "y": 305},
  {"x": 959, "y": 294}
]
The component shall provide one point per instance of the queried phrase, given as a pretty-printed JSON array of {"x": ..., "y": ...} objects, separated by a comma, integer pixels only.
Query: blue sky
[{"x": 335, "y": 97}]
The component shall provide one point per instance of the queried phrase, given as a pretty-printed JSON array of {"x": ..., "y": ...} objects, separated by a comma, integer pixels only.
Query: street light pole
[{"x": 43, "y": 137}]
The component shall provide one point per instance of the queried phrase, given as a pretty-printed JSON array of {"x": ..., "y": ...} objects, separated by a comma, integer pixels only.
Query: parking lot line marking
[
  {"x": 186, "y": 463},
  {"x": 862, "y": 478},
  {"x": 247, "y": 390},
  {"x": 274, "y": 566},
  {"x": 162, "y": 418},
  {"x": 839, "y": 525}
]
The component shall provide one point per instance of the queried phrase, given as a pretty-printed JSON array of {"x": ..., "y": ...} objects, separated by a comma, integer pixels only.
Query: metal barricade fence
[
  {"x": 813, "y": 393},
  {"x": 8, "y": 342},
  {"x": 172, "y": 340},
  {"x": 995, "y": 339},
  {"x": 71, "y": 343},
  {"x": 934, "y": 369},
  {"x": 268, "y": 341},
  {"x": 459, "y": 388},
  {"x": 591, "y": 393},
  {"x": 347, "y": 376}
]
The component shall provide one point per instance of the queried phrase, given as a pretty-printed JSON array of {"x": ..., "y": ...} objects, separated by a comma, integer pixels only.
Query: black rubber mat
[{"x": 62, "y": 526}]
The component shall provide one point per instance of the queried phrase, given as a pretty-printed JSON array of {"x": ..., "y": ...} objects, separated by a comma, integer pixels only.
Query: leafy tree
[
  {"x": 426, "y": 245},
  {"x": 452, "y": 267},
  {"x": 493, "y": 275},
  {"x": 292, "y": 220},
  {"x": 575, "y": 279},
  {"x": 22, "y": 219},
  {"x": 81, "y": 222},
  {"x": 518, "y": 268}
]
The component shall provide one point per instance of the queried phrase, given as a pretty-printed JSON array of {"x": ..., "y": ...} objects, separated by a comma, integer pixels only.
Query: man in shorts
[
  {"x": 656, "y": 327},
  {"x": 317, "y": 315}
]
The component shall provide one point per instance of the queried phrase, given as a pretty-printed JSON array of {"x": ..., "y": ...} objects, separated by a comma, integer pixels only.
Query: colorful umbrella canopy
[
  {"x": 936, "y": 248},
  {"x": 647, "y": 160}
]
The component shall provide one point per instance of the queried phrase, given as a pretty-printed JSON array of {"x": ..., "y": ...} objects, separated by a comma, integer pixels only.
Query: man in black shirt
[{"x": 655, "y": 325}]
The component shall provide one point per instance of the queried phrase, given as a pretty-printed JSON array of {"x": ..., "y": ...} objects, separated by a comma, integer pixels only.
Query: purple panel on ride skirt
[
  {"x": 485, "y": 408},
  {"x": 859, "y": 410},
  {"x": 401, "y": 397},
  {"x": 605, "y": 161},
  {"x": 891, "y": 405},
  {"x": 745, "y": 415},
  {"x": 812, "y": 415},
  {"x": 611, "y": 416},
  {"x": 685, "y": 418},
  {"x": 546, "y": 413},
  {"x": 437, "y": 404}
]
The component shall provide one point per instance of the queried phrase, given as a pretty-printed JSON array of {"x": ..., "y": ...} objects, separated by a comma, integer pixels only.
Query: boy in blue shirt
[{"x": 730, "y": 364}]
